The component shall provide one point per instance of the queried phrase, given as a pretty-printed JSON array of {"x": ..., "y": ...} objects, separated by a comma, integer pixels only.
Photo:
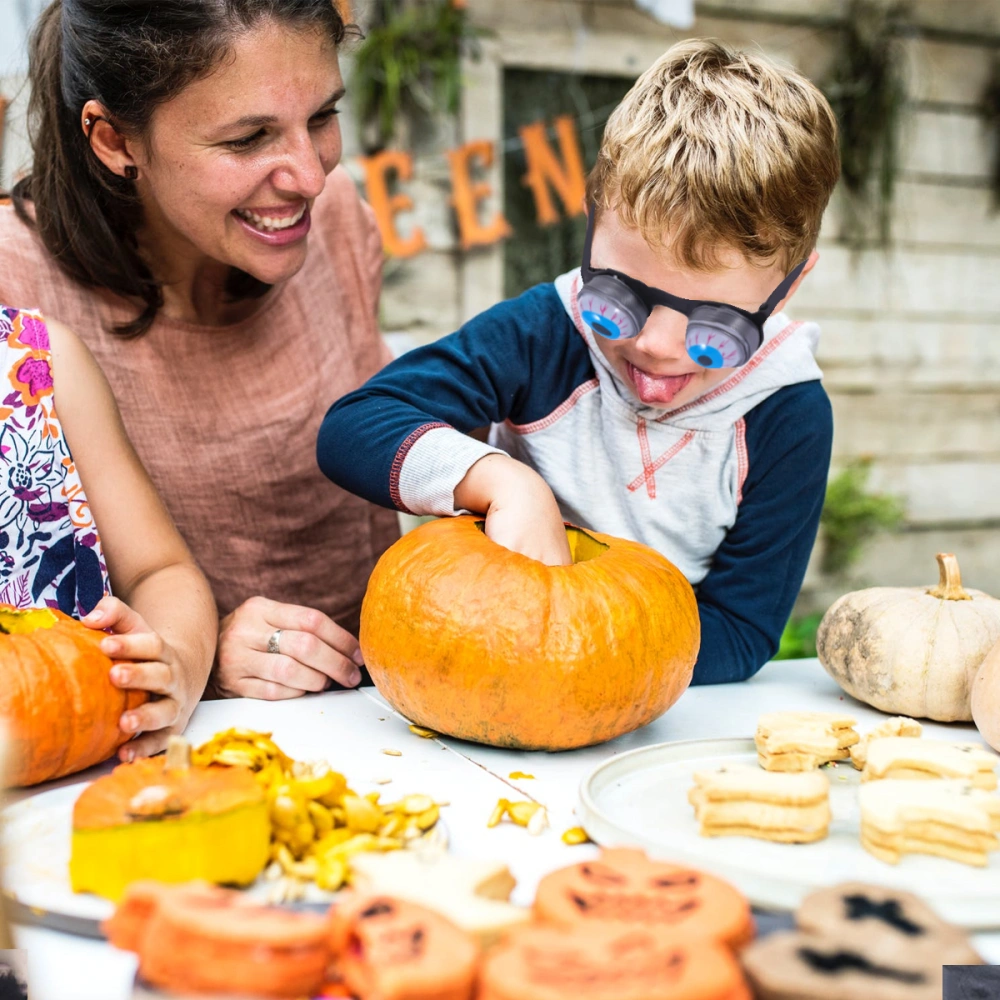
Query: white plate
[
  {"x": 640, "y": 799},
  {"x": 35, "y": 840}
]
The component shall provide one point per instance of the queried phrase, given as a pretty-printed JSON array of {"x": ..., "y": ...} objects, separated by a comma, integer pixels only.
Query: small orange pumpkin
[
  {"x": 57, "y": 702},
  {"x": 468, "y": 638}
]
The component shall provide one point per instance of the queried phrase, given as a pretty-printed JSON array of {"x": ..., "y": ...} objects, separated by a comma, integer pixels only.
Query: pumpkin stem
[
  {"x": 950, "y": 586},
  {"x": 178, "y": 754}
]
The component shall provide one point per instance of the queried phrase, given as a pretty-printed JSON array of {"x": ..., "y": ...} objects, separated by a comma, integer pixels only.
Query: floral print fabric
[{"x": 50, "y": 551}]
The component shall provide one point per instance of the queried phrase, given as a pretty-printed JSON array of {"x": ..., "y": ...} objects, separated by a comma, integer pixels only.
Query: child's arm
[
  {"x": 400, "y": 440},
  {"x": 748, "y": 595},
  {"x": 164, "y": 617}
]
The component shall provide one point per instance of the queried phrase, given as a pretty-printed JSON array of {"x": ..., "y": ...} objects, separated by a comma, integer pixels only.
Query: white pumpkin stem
[
  {"x": 178, "y": 754},
  {"x": 950, "y": 586}
]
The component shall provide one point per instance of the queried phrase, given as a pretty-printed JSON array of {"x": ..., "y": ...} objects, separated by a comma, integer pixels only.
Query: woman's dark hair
[{"x": 131, "y": 56}]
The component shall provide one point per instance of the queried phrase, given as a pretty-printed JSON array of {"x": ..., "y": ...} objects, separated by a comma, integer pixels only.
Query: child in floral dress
[{"x": 80, "y": 520}]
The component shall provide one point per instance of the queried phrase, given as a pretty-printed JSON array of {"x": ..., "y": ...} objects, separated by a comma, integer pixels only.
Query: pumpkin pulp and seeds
[{"x": 317, "y": 821}]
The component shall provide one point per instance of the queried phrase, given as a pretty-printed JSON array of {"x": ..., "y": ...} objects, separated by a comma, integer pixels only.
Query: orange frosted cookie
[
  {"x": 625, "y": 888},
  {"x": 204, "y": 939},
  {"x": 547, "y": 962},
  {"x": 391, "y": 949}
]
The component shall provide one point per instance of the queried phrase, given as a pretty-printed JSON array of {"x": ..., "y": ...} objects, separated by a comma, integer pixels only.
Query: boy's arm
[
  {"x": 400, "y": 440},
  {"x": 748, "y": 595}
]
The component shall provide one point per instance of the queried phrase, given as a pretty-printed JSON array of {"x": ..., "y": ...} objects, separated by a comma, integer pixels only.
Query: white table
[{"x": 350, "y": 730}]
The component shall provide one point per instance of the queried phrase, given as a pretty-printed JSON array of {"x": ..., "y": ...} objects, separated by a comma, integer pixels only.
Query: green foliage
[
  {"x": 799, "y": 638},
  {"x": 851, "y": 516},
  {"x": 867, "y": 91},
  {"x": 409, "y": 61}
]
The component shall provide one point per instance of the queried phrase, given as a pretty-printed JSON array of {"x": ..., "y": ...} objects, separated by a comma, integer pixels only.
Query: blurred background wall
[{"x": 911, "y": 324}]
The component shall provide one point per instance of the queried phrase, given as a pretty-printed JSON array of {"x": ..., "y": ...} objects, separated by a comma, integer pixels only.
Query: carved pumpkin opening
[
  {"x": 25, "y": 622},
  {"x": 581, "y": 545}
]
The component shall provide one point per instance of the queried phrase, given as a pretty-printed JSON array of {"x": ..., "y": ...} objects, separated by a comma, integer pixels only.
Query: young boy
[{"x": 629, "y": 396}]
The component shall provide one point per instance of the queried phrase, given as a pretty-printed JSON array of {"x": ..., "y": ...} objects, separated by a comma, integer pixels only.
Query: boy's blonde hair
[{"x": 712, "y": 148}]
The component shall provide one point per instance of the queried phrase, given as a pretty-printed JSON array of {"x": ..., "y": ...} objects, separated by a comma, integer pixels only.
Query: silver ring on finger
[{"x": 274, "y": 641}]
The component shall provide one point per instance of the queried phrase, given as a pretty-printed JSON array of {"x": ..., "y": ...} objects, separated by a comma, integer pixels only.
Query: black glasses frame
[{"x": 657, "y": 297}]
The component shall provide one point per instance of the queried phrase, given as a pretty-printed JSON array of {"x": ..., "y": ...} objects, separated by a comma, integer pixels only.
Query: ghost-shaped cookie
[{"x": 858, "y": 942}]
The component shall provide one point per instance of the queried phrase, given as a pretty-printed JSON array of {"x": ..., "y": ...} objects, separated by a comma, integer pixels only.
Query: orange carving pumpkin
[
  {"x": 545, "y": 962},
  {"x": 57, "y": 702},
  {"x": 391, "y": 949},
  {"x": 624, "y": 888},
  {"x": 194, "y": 938},
  {"x": 470, "y": 639}
]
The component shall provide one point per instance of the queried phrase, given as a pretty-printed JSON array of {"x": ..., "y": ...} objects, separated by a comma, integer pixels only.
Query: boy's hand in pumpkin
[
  {"x": 521, "y": 511},
  {"x": 154, "y": 667}
]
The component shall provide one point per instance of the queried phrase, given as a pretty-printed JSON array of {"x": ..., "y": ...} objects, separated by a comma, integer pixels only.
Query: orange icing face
[
  {"x": 391, "y": 949},
  {"x": 625, "y": 888},
  {"x": 228, "y": 943},
  {"x": 545, "y": 962}
]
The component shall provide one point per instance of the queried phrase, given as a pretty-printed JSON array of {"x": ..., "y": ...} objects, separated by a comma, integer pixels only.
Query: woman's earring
[{"x": 131, "y": 172}]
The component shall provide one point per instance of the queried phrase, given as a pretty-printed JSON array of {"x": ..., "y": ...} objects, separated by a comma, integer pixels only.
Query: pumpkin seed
[
  {"x": 521, "y": 812},
  {"x": 575, "y": 835},
  {"x": 393, "y": 753},
  {"x": 362, "y": 814},
  {"x": 331, "y": 874},
  {"x": 414, "y": 805},
  {"x": 321, "y": 818},
  {"x": 428, "y": 818},
  {"x": 426, "y": 734},
  {"x": 499, "y": 811},
  {"x": 514, "y": 775},
  {"x": 538, "y": 822},
  {"x": 236, "y": 757}
]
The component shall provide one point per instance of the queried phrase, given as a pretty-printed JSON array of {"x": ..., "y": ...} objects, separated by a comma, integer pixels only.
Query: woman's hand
[
  {"x": 155, "y": 668},
  {"x": 521, "y": 510},
  {"x": 313, "y": 650}
]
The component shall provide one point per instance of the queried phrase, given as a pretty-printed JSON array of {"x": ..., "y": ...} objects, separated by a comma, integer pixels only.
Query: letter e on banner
[
  {"x": 544, "y": 169},
  {"x": 386, "y": 206},
  {"x": 467, "y": 195}
]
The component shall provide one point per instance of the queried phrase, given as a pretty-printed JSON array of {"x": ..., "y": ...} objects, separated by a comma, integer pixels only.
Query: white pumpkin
[
  {"x": 911, "y": 650},
  {"x": 986, "y": 698}
]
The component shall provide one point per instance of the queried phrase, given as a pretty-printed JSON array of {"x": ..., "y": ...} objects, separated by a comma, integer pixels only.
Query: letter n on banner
[
  {"x": 544, "y": 169},
  {"x": 386, "y": 206},
  {"x": 467, "y": 195}
]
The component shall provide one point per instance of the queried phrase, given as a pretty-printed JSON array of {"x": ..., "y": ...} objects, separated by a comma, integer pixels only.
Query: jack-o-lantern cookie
[
  {"x": 391, "y": 949},
  {"x": 548, "y": 962},
  {"x": 858, "y": 942},
  {"x": 624, "y": 888},
  {"x": 202, "y": 939}
]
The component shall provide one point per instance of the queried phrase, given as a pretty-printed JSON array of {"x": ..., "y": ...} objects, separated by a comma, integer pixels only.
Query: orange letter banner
[
  {"x": 544, "y": 168},
  {"x": 467, "y": 194},
  {"x": 386, "y": 206}
]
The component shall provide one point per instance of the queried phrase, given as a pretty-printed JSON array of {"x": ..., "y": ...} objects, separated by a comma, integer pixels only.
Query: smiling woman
[{"x": 190, "y": 222}]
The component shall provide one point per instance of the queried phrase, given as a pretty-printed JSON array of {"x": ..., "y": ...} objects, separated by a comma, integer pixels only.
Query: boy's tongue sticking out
[{"x": 656, "y": 389}]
